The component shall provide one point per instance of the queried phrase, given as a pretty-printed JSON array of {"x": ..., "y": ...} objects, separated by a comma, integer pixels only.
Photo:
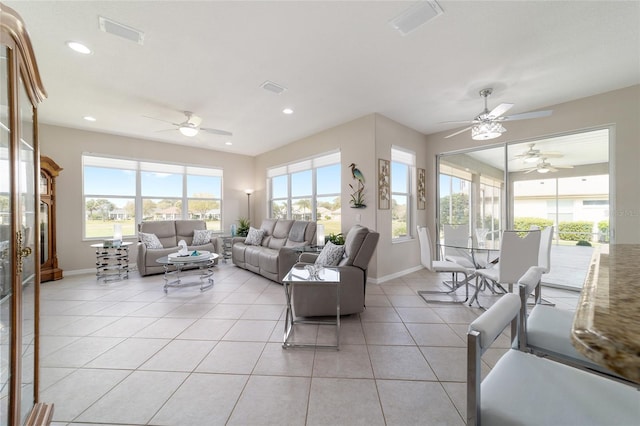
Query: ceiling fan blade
[
  {"x": 563, "y": 167},
  {"x": 459, "y": 122},
  {"x": 530, "y": 170},
  {"x": 164, "y": 121},
  {"x": 458, "y": 132},
  {"x": 499, "y": 110},
  {"x": 217, "y": 132},
  {"x": 551, "y": 154},
  {"x": 527, "y": 115}
]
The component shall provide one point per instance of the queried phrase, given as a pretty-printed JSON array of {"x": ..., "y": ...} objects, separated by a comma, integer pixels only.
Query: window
[
  {"x": 402, "y": 166},
  {"x": 128, "y": 191},
  {"x": 307, "y": 190}
]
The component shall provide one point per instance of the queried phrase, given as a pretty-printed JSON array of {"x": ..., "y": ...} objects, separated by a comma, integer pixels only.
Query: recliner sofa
[
  {"x": 169, "y": 232},
  {"x": 274, "y": 257}
]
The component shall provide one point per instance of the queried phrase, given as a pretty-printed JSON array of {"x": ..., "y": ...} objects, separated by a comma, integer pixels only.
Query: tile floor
[{"x": 124, "y": 353}]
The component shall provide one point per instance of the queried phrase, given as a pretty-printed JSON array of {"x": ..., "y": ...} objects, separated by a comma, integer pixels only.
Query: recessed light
[
  {"x": 89, "y": 118},
  {"x": 228, "y": 143},
  {"x": 79, "y": 47},
  {"x": 287, "y": 111}
]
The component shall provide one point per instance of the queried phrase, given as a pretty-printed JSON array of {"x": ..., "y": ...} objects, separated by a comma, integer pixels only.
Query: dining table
[
  {"x": 606, "y": 326},
  {"x": 475, "y": 255}
]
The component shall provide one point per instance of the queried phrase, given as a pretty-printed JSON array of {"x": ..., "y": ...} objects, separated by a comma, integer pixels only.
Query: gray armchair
[{"x": 314, "y": 299}]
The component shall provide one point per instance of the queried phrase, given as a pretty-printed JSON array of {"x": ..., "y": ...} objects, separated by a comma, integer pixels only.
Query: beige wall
[
  {"x": 619, "y": 108},
  {"x": 65, "y": 146}
]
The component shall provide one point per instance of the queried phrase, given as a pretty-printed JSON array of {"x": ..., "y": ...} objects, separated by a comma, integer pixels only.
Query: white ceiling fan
[
  {"x": 191, "y": 126},
  {"x": 544, "y": 166},
  {"x": 486, "y": 125},
  {"x": 533, "y": 155}
]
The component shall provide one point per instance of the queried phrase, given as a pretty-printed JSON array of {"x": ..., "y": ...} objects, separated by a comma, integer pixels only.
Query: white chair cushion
[
  {"x": 523, "y": 389},
  {"x": 491, "y": 323},
  {"x": 549, "y": 328},
  {"x": 445, "y": 266}
]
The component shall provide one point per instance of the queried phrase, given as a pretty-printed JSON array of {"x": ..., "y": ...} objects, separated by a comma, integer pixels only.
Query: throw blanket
[{"x": 297, "y": 231}]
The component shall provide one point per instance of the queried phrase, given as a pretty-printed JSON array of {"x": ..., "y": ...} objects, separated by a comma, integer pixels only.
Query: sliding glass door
[{"x": 560, "y": 181}]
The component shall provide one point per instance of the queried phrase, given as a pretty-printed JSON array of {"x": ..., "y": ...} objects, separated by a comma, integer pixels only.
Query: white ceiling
[{"x": 339, "y": 61}]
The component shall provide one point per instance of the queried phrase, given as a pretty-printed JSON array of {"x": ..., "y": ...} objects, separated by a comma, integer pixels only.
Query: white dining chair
[
  {"x": 518, "y": 253},
  {"x": 456, "y": 236},
  {"x": 546, "y": 331},
  {"x": 426, "y": 258}
]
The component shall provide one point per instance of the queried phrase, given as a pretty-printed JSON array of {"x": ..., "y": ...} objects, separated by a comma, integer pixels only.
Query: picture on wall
[
  {"x": 384, "y": 192},
  {"x": 422, "y": 192}
]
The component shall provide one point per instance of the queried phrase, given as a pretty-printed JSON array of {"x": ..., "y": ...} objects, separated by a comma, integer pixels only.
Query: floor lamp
[{"x": 248, "y": 192}]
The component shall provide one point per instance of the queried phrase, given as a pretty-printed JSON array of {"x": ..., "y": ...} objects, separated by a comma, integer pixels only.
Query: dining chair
[
  {"x": 518, "y": 253},
  {"x": 546, "y": 331},
  {"x": 426, "y": 258},
  {"x": 456, "y": 236}
]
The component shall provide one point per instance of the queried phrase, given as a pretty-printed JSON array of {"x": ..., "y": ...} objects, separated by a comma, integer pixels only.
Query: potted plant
[{"x": 243, "y": 227}]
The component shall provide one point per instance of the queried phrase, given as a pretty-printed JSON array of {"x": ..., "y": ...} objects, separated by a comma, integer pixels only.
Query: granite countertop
[{"x": 606, "y": 328}]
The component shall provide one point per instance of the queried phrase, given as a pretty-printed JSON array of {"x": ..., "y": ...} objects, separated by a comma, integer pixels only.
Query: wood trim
[{"x": 13, "y": 24}]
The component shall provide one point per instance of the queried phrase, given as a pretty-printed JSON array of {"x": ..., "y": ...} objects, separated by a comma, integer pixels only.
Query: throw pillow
[
  {"x": 150, "y": 240},
  {"x": 330, "y": 255},
  {"x": 201, "y": 237},
  {"x": 254, "y": 237}
]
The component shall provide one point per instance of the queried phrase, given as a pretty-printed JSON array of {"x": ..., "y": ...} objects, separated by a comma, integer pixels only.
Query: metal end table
[{"x": 299, "y": 274}]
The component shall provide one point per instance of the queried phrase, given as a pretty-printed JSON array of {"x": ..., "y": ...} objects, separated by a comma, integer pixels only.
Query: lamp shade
[
  {"x": 320, "y": 235},
  {"x": 188, "y": 130},
  {"x": 487, "y": 130}
]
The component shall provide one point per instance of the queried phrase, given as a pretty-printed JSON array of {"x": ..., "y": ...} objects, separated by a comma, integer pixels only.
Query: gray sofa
[
  {"x": 169, "y": 232},
  {"x": 312, "y": 299},
  {"x": 274, "y": 257}
]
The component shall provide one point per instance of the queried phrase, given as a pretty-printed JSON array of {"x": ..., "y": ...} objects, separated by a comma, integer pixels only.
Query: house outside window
[
  {"x": 307, "y": 190},
  {"x": 127, "y": 191},
  {"x": 402, "y": 170}
]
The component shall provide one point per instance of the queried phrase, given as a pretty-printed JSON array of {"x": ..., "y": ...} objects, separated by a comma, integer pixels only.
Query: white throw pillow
[
  {"x": 201, "y": 237},
  {"x": 254, "y": 237},
  {"x": 150, "y": 240},
  {"x": 330, "y": 255}
]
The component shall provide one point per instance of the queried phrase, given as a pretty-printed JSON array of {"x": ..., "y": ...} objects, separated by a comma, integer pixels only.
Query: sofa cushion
[
  {"x": 352, "y": 243},
  {"x": 254, "y": 237},
  {"x": 297, "y": 231},
  {"x": 201, "y": 237},
  {"x": 268, "y": 260},
  {"x": 165, "y": 230},
  {"x": 330, "y": 255},
  {"x": 279, "y": 235},
  {"x": 150, "y": 240}
]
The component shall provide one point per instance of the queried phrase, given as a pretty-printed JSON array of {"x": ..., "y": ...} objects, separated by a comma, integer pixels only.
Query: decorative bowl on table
[{"x": 192, "y": 256}]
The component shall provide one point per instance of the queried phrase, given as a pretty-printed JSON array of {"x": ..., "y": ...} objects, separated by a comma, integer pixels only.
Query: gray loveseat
[
  {"x": 169, "y": 232},
  {"x": 274, "y": 257}
]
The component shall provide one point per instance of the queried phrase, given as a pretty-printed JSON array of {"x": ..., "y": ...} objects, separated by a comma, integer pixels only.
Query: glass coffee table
[
  {"x": 176, "y": 268},
  {"x": 300, "y": 274}
]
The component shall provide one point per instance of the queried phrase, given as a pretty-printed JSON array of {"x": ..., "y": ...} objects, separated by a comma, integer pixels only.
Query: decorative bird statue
[{"x": 356, "y": 173}]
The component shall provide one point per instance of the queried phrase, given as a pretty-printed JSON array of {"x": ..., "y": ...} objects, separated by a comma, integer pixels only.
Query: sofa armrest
[
  {"x": 308, "y": 257},
  {"x": 286, "y": 259}
]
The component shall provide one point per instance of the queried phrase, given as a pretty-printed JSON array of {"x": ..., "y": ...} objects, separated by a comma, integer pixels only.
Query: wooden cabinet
[
  {"x": 49, "y": 270},
  {"x": 20, "y": 92}
]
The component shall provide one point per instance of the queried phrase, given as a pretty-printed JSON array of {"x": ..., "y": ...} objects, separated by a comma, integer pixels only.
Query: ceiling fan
[
  {"x": 191, "y": 126},
  {"x": 544, "y": 166},
  {"x": 533, "y": 155},
  {"x": 486, "y": 125}
]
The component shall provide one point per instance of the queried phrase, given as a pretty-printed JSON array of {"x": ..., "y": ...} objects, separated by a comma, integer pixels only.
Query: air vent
[
  {"x": 112, "y": 27},
  {"x": 273, "y": 87},
  {"x": 415, "y": 16}
]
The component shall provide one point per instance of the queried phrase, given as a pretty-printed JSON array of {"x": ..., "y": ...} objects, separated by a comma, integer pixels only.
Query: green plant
[
  {"x": 337, "y": 239},
  {"x": 603, "y": 228},
  {"x": 583, "y": 243},
  {"x": 243, "y": 227},
  {"x": 525, "y": 223},
  {"x": 575, "y": 231}
]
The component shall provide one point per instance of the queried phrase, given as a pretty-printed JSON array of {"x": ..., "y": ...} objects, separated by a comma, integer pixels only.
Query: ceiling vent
[
  {"x": 273, "y": 87},
  {"x": 415, "y": 16},
  {"x": 112, "y": 27}
]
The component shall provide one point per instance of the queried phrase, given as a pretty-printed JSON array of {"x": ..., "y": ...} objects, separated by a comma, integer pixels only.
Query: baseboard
[{"x": 390, "y": 277}]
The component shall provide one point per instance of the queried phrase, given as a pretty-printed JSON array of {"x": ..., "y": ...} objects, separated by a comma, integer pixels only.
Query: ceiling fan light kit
[
  {"x": 190, "y": 127},
  {"x": 487, "y": 130},
  {"x": 188, "y": 130}
]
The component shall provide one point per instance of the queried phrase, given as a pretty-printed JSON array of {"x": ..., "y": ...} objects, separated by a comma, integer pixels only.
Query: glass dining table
[{"x": 475, "y": 256}]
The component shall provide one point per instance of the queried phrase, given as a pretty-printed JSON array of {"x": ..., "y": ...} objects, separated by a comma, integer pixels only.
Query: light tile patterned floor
[{"x": 124, "y": 353}]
